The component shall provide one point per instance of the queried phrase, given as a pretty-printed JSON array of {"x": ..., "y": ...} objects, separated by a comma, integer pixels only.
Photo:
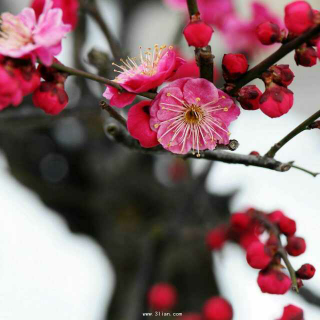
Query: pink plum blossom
[
  {"x": 154, "y": 69},
  {"x": 69, "y": 8},
  {"x": 192, "y": 114},
  {"x": 24, "y": 36}
]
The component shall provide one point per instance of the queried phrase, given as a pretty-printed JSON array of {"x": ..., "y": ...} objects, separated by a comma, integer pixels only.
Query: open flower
[
  {"x": 154, "y": 69},
  {"x": 192, "y": 114},
  {"x": 23, "y": 35}
]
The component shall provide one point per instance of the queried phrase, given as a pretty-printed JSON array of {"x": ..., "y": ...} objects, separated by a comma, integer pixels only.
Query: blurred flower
[{"x": 22, "y": 35}]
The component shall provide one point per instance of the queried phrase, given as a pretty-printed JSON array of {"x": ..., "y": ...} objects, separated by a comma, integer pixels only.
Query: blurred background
[{"x": 87, "y": 226}]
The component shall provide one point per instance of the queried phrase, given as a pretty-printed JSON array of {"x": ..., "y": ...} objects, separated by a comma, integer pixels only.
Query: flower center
[
  {"x": 148, "y": 63},
  {"x": 193, "y": 114},
  {"x": 13, "y": 32}
]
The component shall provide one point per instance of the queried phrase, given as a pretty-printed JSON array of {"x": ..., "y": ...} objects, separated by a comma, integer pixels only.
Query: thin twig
[
  {"x": 113, "y": 113},
  {"x": 314, "y": 174},
  {"x": 91, "y": 76},
  {"x": 204, "y": 59},
  {"x": 94, "y": 12},
  {"x": 303, "y": 126},
  {"x": 257, "y": 71}
]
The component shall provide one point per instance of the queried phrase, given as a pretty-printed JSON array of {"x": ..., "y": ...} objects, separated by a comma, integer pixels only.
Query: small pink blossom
[
  {"x": 155, "y": 68},
  {"x": 192, "y": 114},
  {"x": 22, "y": 35}
]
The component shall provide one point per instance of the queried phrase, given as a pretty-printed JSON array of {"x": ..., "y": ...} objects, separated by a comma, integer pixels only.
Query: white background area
[{"x": 48, "y": 273}]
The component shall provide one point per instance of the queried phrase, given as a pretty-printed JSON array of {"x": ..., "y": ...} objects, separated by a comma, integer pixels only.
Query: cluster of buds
[
  {"x": 163, "y": 297},
  {"x": 51, "y": 96},
  {"x": 246, "y": 229},
  {"x": 299, "y": 17},
  {"x": 18, "y": 78},
  {"x": 277, "y": 99}
]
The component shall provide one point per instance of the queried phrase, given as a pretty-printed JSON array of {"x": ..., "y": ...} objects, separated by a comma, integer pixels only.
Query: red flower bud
[
  {"x": 282, "y": 74},
  {"x": 291, "y": 312},
  {"x": 162, "y": 297},
  {"x": 299, "y": 283},
  {"x": 296, "y": 246},
  {"x": 234, "y": 65},
  {"x": 258, "y": 255},
  {"x": 247, "y": 239},
  {"x": 249, "y": 96},
  {"x": 29, "y": 79},
  {"x": 276, "y": 101},
  {"x": 254, "y": 153},
  {"x": 287, "y": 226},
  {"x": 306, "y": 271},
  {"x": 298, "y": 17},
  {"x": 216, "y": 238},
  {"x": 240, "y": 221},
  {"x": 275, "y": 216},
  {"x": 139, "y": 124},
  {"x": 306, "y": 56},
  {"x": 268, "y": 33},
  {"x": 50, "y": 97},
  {"x": 198, "y": 33},
  {"x": 273, "y": 282},
  {"x": 217, "y": 308}
]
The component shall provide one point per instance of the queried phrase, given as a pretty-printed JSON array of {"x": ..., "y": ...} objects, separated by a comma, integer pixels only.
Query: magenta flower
[
  {"x": 192, "y": 114},
  {"x": 22, "y": 35},
  {"x": 154, "y": 69}
]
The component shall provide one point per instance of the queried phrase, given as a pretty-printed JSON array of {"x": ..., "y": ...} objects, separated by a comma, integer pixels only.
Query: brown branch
[
  {"x": 94, "y": 77},
  {"x": 301, "y": 127},
  {"x": 286, "y": 48},
  {"x": 204, "y": 59},
  {"x": 192, "y": 7},
  {"x": 113, "y": 113},
  {"x": 93, "y": 11},
  {"x": 310, "y": 296}
]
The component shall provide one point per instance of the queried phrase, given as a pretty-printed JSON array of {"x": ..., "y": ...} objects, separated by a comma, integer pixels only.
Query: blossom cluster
[
  {"x": 248, "y": 229},
  {"x": 24, "y": 39}
]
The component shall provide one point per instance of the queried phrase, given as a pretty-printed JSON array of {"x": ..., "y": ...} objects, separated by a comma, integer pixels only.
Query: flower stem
[
  {"x": 192, "y": 7},
  {"x": 303, "y": 126},
  {"x": 93, "y": 11},
  {"x": 94, "y": 77},
  {"x": 114, "y": 114},
  {"x": 305, "y": 170}
]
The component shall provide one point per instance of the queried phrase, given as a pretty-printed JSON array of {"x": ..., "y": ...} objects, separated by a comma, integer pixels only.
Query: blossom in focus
[
  {"x": 306, "y": 56},
  {"x": 69, "y": 8},
  {"x": 139, "y": 124},
  {"x": 273, "y": 282},
  {"x": 192, "y": 114},
  {"x": 154, "y": 69},
  {"x": 249, "y": 96},
  {"x": 291, "y": 312},
  {"x": 268, "y": 33},
  {"x": 234, "y": 65},
  {"x": 23, "y": 36}
]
